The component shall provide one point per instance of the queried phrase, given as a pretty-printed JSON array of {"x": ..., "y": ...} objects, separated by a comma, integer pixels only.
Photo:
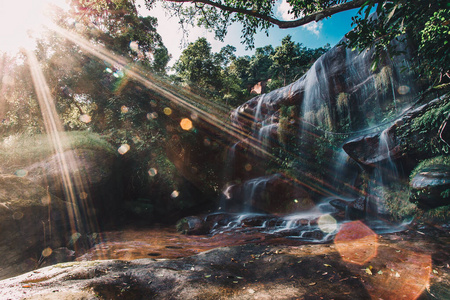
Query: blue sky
[{"x": 313, "y": 35}]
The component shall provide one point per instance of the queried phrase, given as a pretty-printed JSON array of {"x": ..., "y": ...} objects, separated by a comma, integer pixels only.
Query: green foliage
[
  {"x": 440, "y": 215},
  {"x": 21, "y": 149},
  {"x": 421, "y": 133},
  {"x": 421, "y": 24},
  {"x": 437, "y": 160},
  {"x": 198, "y": 66},
  {"x": 396, "y": 199},
  {"x": 434, "y": 44}
]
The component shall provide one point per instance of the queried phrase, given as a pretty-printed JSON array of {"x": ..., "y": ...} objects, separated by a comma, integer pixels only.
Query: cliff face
[{"x": 298, "y": 130}]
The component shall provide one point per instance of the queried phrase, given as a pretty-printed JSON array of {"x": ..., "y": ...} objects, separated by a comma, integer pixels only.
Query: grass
[{"x": 20, "y": 150}]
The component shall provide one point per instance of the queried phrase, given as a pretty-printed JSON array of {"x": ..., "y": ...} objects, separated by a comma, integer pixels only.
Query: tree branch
[{"x": 280, "y": 23}]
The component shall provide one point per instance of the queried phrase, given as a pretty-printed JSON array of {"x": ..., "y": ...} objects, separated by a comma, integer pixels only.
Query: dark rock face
[
  {"x": 91, "y": 175},
  {"x": 354, "y": 210},
  {"x": 271, "y": 194},
  {"x": 403, "y": 138},
  {"x": 339, "y": 94},
  {"x": 430, "y": 188},
  {"x": 31, "y": 220}
]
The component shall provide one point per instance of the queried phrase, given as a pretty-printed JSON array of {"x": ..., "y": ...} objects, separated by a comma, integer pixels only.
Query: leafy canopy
[{"x": 424, "y": 23}]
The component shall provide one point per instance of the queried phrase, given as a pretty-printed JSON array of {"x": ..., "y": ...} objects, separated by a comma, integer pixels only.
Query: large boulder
[
  {"x": 430, "y": 187},
  {"x": 33, "y": 224},
  {"x": 84, "y": 170}
]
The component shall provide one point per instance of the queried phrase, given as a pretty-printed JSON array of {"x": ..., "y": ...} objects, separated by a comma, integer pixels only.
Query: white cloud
[
  {"x": 283, "y": 10},
  {"x": 314, "y": 27}
]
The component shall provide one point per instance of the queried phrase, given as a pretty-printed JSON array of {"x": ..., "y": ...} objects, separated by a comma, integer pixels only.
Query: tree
[
  {"x": 117, "y": 25},
  {"x": 291, "y": 60},
  {"x": 395, "y": 20},
  {"x": 198, "y": 66}
]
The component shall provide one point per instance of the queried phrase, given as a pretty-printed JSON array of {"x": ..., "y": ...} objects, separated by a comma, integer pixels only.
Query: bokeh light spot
[
  {"x": 108, "y": 70},
  {"x": 207, "y": 142},
  {"x": 124, "y": 149},
  {"x": 152, "y": 172},
  {"x": 83, "y": 196},
  {"x": 46, "y": 200},
  {"x": 186, "y": 124},
  {"x": 124, "y": 109},
  {"x": 403, "y": 89},
  {"x": 326, "y": 223},
  {"x": 167, "y": 111},
  {"x": 85, "y": 118},
  {"x": 47, "y": 252},
  {"x": 248, "y": 167},
  {"x": 18, "y": 215},
  {"x": 21, "y": 173},
  {"x": 134, "y": 46},
  {"x": 175, "y": 194},
  {"x": 194, "y": 116},
  {"x": 152, "y": 116}
]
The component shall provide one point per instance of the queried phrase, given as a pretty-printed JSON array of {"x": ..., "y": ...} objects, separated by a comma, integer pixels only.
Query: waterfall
[
  {"x": 384, "y": 174},
  {"x": 253, "y": 190}
]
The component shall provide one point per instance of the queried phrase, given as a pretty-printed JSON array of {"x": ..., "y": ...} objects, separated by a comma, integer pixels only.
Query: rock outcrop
[
  {"x": 430, "y": 187},
  {"x": 33, "y": 224},
  {"x": 360, "y": 266}
]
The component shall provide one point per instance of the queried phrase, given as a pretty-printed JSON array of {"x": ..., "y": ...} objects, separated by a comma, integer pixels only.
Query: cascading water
[
  {"x": 340, "y": 92},
  {"x": 384, "y": 173}
]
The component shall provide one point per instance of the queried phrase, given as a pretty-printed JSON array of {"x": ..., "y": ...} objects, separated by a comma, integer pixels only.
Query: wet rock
[
  {"x": 218, "y": 220},
  {"x": 354, "y": 210},
  {"x": 272, "y": 194},
  {"x": 404, "y": 138},
  {"x": 191, "y": 225},
  {"x": 313, "y": 235},
  {"x": 430, "y": 188},
  {"x": 255, "y": 221}
]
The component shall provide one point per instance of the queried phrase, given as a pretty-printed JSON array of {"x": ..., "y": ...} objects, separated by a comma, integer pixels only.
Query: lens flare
[
  {"x": 47, "y": 252},
  {"x": 167, "y": 111},
  {"x": 123, "y": 149},
  {"x": 326, "y": 223},
  {"x": 152, "y": 172},
  {"x": 21, "y": 173},
  {"x": 85, "y": 118},
  {"x": 186, "y": 124},
  {"x": 356, "y": 243}
]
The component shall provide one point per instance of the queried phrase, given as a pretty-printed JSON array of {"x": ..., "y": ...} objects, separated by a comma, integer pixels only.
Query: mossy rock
[
  {"x": 430, "y": 185},
  {"x": 85, "y": 168}
]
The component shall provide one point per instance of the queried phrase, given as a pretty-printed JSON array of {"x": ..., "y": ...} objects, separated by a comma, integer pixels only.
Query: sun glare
[{"x": 23, "y": 20}]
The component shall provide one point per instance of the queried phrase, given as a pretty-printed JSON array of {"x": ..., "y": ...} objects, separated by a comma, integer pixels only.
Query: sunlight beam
[{"x": 66, "y": 159}]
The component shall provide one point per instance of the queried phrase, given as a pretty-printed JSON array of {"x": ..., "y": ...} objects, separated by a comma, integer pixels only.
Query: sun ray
[
  {"x": 166, "y": 90},
  {"x": 77, "y": 211}
]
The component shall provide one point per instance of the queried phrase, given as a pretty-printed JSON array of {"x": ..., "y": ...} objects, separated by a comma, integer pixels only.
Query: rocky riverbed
[{"x": 358, "y": 264}]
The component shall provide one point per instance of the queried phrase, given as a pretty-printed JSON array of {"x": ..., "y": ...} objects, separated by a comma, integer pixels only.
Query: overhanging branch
[{"x": 280, "y": 23}]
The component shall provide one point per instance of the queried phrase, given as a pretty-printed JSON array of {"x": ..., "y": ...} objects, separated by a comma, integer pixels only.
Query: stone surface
[
  {"x": 31, "y": 220},
  {"x": 405, "y": 265},
  {"x": 430, "y": 188},
  {"x": 403, "y": 141},
  {"x": 354, "y": 210},
  {"x": 91, "y": 175}
]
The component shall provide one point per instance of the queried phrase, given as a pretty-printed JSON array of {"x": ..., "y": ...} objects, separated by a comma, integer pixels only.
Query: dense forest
[{"x": 114, "y": 154}]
